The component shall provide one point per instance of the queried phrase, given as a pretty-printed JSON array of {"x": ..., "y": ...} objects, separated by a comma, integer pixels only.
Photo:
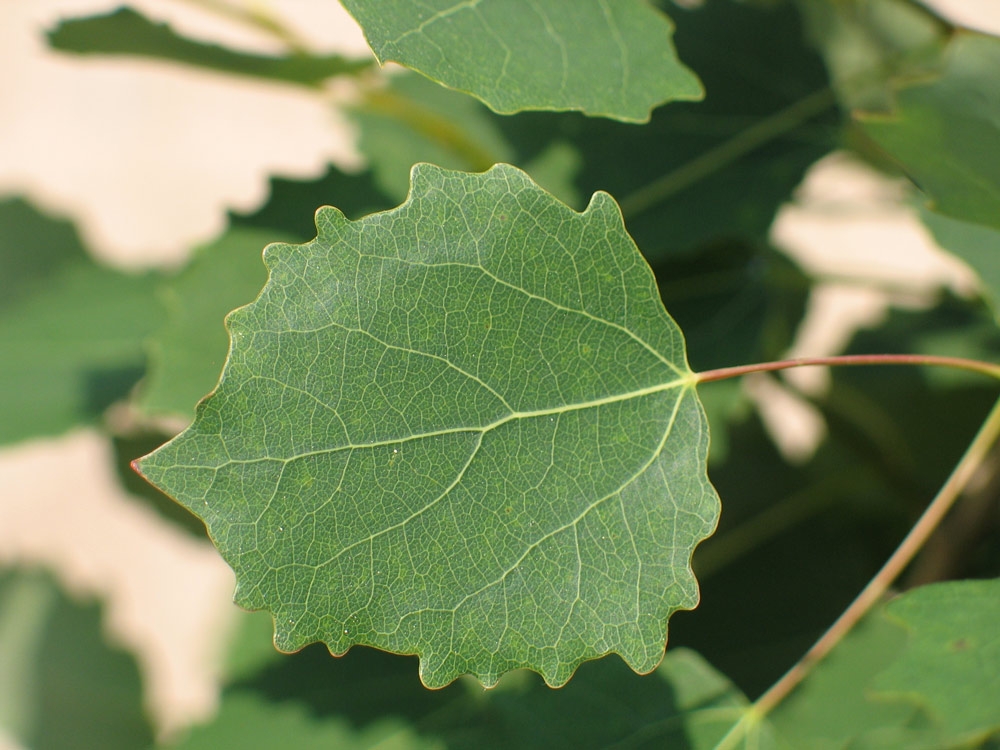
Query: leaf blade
[{"x": 502, "y": 426}]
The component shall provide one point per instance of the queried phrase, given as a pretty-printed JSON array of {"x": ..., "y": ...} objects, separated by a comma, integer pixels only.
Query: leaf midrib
[{"x": 686, "y": 382}]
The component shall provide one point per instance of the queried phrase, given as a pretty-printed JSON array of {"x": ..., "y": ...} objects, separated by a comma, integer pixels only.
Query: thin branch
[
  {"x": 972, "y": 365},
  {"x": 974, "y": 457}
]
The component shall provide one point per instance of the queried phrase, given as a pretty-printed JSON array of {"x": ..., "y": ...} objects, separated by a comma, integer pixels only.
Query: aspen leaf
[{"x": 463, "y": 429}]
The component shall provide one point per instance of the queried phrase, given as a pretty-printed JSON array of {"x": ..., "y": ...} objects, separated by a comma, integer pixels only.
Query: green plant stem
[
  {"x": 727, "y": 152},
  {"x": 973, "y": 458},
  {"x": 972, "y": 365}
]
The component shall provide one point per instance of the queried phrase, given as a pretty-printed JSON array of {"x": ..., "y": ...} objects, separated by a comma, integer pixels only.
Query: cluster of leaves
[{"x": 466, "y": 428}]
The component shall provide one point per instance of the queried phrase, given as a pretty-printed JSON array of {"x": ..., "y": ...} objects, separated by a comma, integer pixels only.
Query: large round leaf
[{"x": 464, "y": 429}]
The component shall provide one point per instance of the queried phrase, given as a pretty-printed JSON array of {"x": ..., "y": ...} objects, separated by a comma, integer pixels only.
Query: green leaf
[
  {"x": 128, "y": 32},
  {"x": 187, "y": 353},
  {"x": 609, "y": 59},
  {"x": 463, "y": 429},
  {"x": 944, "y": 132},
  {"x": 62, "y": 685},
  {"x": 71, "y": 331},
  {"x": 683, "y": 703},
  {"x": 952, "y": 659},
  {"x": 834, "y": 708}
]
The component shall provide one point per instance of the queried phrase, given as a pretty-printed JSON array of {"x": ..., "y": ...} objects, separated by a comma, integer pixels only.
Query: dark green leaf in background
[
  {"x": 62, "y": 687},
  {"x": 464, "y": 429},
  {"x": 128, "y": 32},
  {"x": 250, "y": 722},
  {"x": 945, "y": 132},
  {"x": 71, "y": 331},
  {"x": 610, "y": 59},
  {"x": 291, "y": 208},
  {"x": 736, "y": 303},
  {"x": 187, "y": 353}
]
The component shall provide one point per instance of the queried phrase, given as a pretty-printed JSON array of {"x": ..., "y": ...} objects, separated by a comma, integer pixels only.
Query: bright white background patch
[{"x": 147, "y": 156}]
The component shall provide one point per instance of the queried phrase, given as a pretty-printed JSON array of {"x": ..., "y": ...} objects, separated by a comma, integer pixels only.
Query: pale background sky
[{"x": 75, "y": 139}]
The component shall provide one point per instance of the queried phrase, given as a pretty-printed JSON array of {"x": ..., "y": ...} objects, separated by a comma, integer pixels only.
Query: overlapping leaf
[
  {"x": 714, "y": 170},
  {"x": 976, "y": 244},
  {"x": 413, "y": 119},
  {"x": 463, "y": 429},
  {"x": 613, "y": 59}
]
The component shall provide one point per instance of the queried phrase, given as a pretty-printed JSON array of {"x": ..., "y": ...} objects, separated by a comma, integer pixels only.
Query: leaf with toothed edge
[{"x": 465, "y": 429}]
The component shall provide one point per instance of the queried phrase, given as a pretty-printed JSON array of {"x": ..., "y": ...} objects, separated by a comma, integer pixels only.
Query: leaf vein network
[
  {"x": 583, "y": 514},
  {"x": 564, "y": 308}
]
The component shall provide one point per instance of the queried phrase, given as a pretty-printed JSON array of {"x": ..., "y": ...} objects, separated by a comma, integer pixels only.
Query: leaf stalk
[{"x": 959, "y": 363}]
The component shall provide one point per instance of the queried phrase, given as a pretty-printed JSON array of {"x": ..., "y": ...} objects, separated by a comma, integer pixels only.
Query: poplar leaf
[{"x": 463, "y": 429}]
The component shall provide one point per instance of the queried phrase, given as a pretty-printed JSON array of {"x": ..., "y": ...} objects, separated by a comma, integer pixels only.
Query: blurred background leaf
[
  {"x": 71, "y": 331},
  {"x": 126, "y": 31},
  {"x": 62, "y": 685}
]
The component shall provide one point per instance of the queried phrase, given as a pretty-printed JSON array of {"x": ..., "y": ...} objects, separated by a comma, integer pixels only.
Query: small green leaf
[
  {"x": 463, "y": 429},
  {"x": 609, "y": 59},
  {"x": 128, "y": 32},
  {"x": 945, "y": 132},
  {"x": 951, "y": 664}
]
